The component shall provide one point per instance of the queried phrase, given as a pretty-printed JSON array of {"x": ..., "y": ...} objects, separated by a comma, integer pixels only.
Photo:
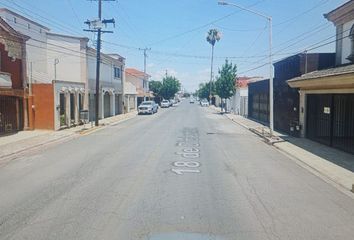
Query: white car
[
  {"x": 165, "y": 104},
  {"x": 191, "y": 100},
  {"x": 204, "y": 103},
  {"x": 149, "y": 107}
]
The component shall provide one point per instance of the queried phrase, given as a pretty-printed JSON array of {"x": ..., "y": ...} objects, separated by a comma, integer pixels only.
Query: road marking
[
  {"x": 190, "y": 150},
  {"x": 181, "y": 171}
]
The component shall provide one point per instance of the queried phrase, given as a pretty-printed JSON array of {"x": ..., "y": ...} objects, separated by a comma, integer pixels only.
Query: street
[{"x": 183, "y": 173}]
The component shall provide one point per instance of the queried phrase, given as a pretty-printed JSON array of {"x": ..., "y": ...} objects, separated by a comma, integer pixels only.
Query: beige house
[
  {"x": 327, "y": 96},
  {"x": 141, "y": 81}
]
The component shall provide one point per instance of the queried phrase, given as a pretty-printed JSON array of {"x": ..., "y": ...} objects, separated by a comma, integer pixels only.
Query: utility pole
[
  {"x": 166, "y": 74},
  {"x": 145, "y": 56},
  {"x": 97, "y": 25},
  {"x": 56, "y": 61}
]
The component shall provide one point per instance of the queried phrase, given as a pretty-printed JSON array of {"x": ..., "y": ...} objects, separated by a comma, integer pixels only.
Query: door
[
  {"x": 318, "y": 128},
  {"x": 343, "y": 122},
  {"x": 8, "y": 114},
  {"x": 107, "y": 105}
]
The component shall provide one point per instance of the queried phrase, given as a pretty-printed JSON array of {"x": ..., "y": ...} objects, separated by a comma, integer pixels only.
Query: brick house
[{"x": 13, "y": 90}]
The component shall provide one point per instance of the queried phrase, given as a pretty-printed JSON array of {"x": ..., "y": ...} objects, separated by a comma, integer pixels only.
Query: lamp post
[{"x": 269, "y": 19}]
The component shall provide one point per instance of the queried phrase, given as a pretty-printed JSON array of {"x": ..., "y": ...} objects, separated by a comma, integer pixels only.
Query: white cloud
[{"x": 189, "y": 80}]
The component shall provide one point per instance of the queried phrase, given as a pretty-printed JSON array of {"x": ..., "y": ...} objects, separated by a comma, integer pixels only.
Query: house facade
[
  {"x": 56, "y": 73},
  {"x": 141, "y": 81},
  {"x": 13, "y": 84},
  {"x": 286, "y": 99},
  {"x": 111, "y": 84},
  {"x": 327, "y": 96}
]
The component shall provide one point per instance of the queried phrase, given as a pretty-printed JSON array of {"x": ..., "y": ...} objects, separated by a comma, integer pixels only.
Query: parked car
[
  {"x": 172, "y": 101},
  {"x": 149, "y": 107},
  {"x": 165, "y": 104},
  {"x": 204, "y": 103}
]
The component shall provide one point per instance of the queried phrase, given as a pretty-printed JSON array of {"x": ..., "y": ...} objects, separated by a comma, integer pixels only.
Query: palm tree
[{"x": 213, "y": 36}]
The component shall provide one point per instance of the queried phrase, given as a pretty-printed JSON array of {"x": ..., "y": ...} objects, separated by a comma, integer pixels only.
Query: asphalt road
[{"x": 184, "y": 173}]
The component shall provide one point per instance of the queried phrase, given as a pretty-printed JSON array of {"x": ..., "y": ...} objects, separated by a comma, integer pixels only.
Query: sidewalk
[
  {"x": 22, "y": 141},
  {"x": 330, "y": 164}
]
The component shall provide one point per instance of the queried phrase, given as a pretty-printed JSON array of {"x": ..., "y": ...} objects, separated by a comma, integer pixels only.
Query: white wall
[
  {"x": 346, "y": 42},
  {"x": 35, "y": 47},
  {"x": 106, "y": 74},
  {"x": 68, "y": 51}
]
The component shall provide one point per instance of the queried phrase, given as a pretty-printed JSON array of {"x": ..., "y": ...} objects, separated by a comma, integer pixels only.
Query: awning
[{"x": 333, "y": 78}]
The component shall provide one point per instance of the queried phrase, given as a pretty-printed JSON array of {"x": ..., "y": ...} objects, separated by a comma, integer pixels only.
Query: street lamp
[{"x": 269, "y": 19}]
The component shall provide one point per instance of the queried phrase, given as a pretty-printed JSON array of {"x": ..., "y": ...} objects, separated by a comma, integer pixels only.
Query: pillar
[
  {"x": 101, "y": 105},
  {"x": 67, "y": 109},
  {"x": 302, "y": 112},
  {"x": 76, "y": 104},
  {"x": 113, "y": 105}
]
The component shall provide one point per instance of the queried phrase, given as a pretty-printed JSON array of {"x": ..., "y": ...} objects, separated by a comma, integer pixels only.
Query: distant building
[
  {"x": 327, "y": 96},
  {"x": 239, "y": 101},
  {"x": 141, "y": 81}
]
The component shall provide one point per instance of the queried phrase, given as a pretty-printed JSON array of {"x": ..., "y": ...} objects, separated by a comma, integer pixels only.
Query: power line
[{"x": 59, "y": 25}]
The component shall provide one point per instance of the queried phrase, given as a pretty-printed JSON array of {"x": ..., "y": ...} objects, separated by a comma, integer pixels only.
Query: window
[
  {"x": 351, "y": 36},
  {"x": 117, "y": 72},
  {"x": 29, "y": 26},
  {"x": 15, "y": 20}
]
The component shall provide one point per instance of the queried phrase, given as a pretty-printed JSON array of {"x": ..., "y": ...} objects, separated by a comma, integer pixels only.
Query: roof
[
  {"x": 20, "y": 16},
  {"x": 344, "y": 9},
  {"x": 136, "y": 72},
  {"x": 325, "y": 73},
  {"x": 4, "y": 25},
  {"x": 67, "y": 36}
]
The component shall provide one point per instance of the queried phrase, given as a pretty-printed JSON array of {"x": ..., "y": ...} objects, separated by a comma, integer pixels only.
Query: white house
[
  {"x": 111, "y": 84},
  {"x": 67, "y": 67}
]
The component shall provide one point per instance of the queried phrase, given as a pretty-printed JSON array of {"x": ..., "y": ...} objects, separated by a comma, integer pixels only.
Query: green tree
[
  {"x": 155, "y": 87},
  {"x": 170, "y": 86},
  {"x": 225, "y": 83},
  {"x": 204, "y": 90}
]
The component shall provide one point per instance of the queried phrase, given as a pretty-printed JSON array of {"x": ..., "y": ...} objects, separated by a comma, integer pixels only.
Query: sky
[{"x": 175, "y": 31}]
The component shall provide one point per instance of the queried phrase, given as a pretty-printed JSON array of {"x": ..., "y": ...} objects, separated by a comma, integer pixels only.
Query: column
[
  {"x": 135, "y": 102},
  {"x": 302, "y": 112},
  {"x": 101, "y": 105},
  {"x": 76, "y": 103},
  {"x": 67, "y": 109},
  {"x": 128, "y": 103},
  {"x": 113, "y": 105}
]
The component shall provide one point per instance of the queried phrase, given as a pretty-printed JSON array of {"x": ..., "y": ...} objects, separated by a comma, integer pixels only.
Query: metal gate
[
  {"x": 330, "y": 120},
  {"x": 9, "y": 121}
]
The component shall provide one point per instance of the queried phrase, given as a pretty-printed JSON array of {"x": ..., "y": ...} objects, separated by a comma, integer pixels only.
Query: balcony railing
[{"x": 5, "y": 80}]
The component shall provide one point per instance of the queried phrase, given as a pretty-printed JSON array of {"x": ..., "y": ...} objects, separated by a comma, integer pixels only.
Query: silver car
[
  {"x": 149, "y": 107},
  {"x": 165, "y": 104}
]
